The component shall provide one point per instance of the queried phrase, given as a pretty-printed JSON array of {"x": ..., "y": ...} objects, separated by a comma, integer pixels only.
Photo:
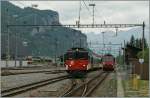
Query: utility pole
[
  {"x": 124, "y": 54},
  {"x": 143, "y": 38},
  {"x": 55, "y": 49},
  {"x": 16, "y": 44},
  {"x": 16, "y": 50},
  {"x": 63, "y": 53},
  {"x": 103, "y": 42},
  {"x": 110, "y": 47},
  {"x": 34, "y": 6},
  {"x": 8, "y": 55},
  {"x": 93, "y": 5},
  {"x": 119, "y": 56}
]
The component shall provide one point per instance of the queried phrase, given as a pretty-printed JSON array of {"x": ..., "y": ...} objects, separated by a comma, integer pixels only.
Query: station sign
[
  {"x": 141, "y": 61},
  {"x": 25, "y": 43}
]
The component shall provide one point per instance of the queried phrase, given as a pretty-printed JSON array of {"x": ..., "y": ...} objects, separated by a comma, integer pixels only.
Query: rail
[{"x": 24, "y": 88}]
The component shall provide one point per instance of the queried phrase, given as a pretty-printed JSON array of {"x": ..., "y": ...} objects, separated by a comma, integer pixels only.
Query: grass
[{"x": 133, "y": 88}]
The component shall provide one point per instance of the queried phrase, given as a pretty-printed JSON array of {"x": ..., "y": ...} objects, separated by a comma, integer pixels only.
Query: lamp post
[
  {"x": 34, "y": 6},
  {"x": 110, "y": 46},
  {"x": 93, "y": 5}
]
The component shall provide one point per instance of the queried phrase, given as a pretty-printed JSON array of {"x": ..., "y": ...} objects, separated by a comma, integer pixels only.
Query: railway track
[
  {"x": 74, "y": 85},
  {"x": 94, "y": 85},
  {"x": 40, "y": 71},
  {"x": 20, "y": 89},
  {"x": 86, "y": 88}
]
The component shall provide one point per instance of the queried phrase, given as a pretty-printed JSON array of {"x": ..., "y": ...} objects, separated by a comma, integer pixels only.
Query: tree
[
  {"x": 140, "y": 43},
  {"x": 137, "y": 43},
  {"x": 120, "y": 59},
  {"x": 145, "y": 43},
  {"x": 132, "y": 41},
  {"x": 146, "y": 55}
]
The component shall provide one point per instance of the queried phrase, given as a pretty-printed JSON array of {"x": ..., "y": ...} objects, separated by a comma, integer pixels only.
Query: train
[
  {"x": 78, "y": 61},
  {"x": 108, "y": 62}
]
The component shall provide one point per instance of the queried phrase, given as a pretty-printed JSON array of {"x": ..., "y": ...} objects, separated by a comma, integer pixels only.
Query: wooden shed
[{"x": 137, "y": 68}]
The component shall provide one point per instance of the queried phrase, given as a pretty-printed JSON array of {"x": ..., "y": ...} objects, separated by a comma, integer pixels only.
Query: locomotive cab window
[
  {"x": 81, "y": 55},
  {"x": 70, "y": 55},
  {"x": 108, "y": 58},
  {"x": 77, "y": 55}
]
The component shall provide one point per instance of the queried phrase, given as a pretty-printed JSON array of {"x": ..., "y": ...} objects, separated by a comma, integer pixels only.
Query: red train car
[
  {"x": 76, "y": 61},
  {"x": 108, "y": 62}
]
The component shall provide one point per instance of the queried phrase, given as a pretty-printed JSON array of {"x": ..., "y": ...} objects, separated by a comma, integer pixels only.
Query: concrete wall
[{"x": 12, "y": 63}]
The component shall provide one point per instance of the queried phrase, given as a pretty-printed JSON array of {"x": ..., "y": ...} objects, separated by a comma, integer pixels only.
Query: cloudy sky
[{"x": 110, "y": 11}]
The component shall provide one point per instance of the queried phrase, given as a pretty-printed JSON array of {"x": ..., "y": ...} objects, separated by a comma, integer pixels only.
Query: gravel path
[
  {"x": 51, "y": 90},
  {"x": 22, "y": 79},
  {"x": 107, "y": 89}
]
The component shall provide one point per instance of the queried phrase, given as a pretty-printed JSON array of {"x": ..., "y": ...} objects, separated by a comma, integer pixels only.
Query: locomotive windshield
[
  {"x": 77, "y": 55},
  {"x": 108, "y": 58},
  {"x": 69, "y": 55},
  {"x": 81, "y": 55}
]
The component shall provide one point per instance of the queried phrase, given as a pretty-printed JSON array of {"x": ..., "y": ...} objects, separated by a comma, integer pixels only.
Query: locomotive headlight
[
  {"x": 84, "y": 65},
  {"x": 70, "y": 65}
]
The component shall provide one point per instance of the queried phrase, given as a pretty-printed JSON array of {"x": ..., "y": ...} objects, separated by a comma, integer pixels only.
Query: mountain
[
  {"x": 36, "y": 41},
  {"x": 111, "y": 37}
]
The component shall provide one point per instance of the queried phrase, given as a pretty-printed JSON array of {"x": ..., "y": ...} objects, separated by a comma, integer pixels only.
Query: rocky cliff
[{"x": 36, "y": 41}]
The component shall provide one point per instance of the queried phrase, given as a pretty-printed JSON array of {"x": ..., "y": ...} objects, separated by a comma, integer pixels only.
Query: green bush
[{"x": 146, "y": 55}]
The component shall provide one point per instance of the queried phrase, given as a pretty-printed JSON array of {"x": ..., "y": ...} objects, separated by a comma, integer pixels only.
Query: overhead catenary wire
[
  {"x": 89, "y": 1},
  {"x": 80, "y": 8},
  {"x": 87, "y": 7}
]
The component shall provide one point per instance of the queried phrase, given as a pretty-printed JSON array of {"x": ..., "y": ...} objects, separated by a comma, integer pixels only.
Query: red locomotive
[
  {"x": 108, "y": 62},
  {"x": 76, "y": 61}
]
